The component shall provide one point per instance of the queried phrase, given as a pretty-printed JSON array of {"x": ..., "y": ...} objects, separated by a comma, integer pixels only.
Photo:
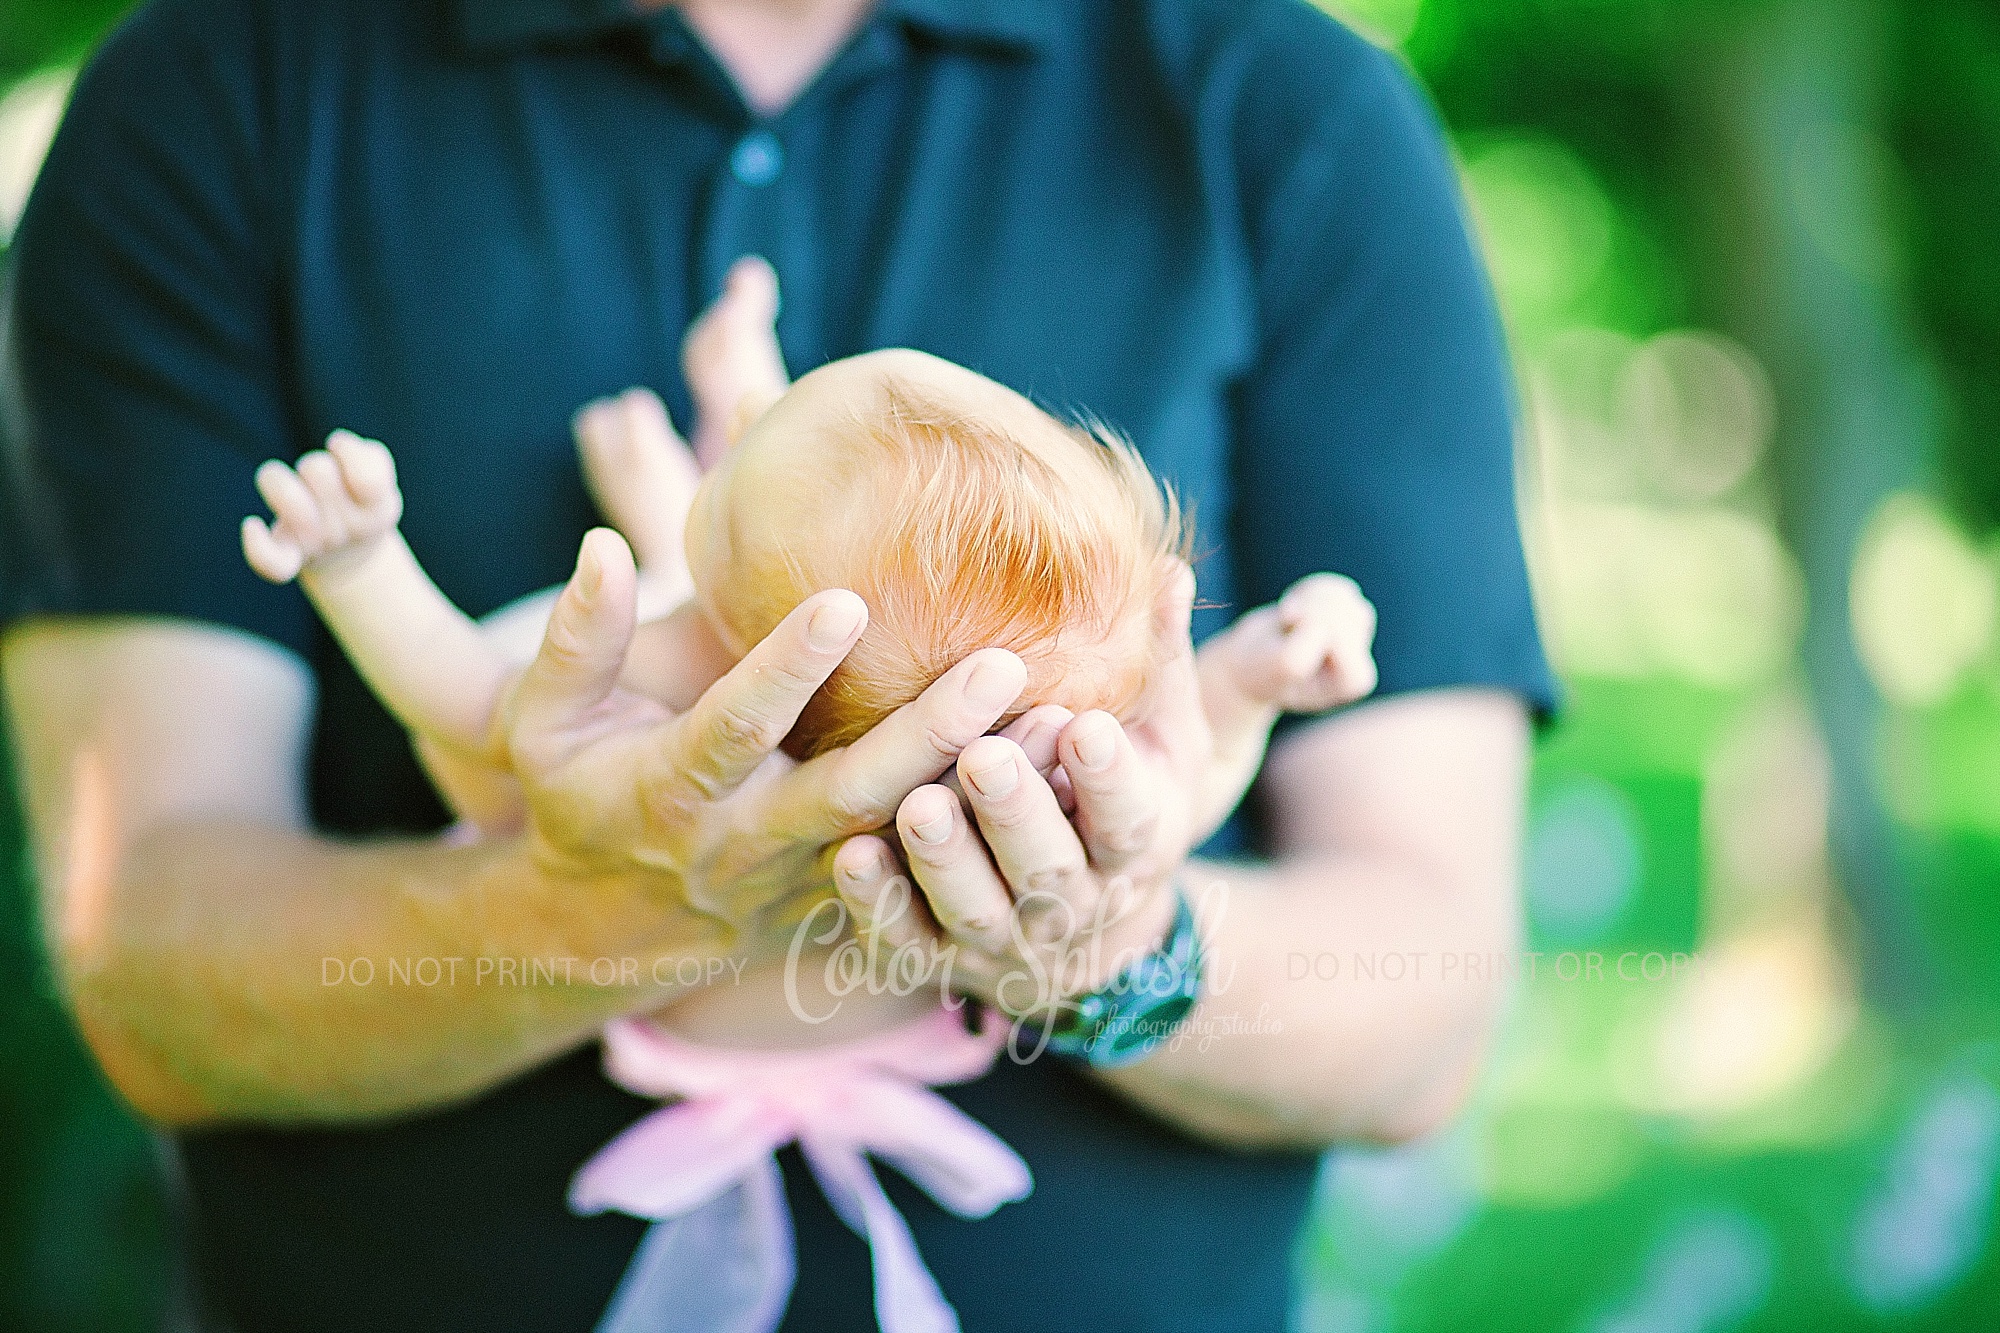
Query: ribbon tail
[
  {"x": 907, "y": 1297},
  {"x": 956, "y": 1160},
  {"x": 726, "y": 1267}
]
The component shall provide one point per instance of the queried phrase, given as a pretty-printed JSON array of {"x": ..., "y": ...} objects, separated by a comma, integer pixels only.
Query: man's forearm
[
  {"x": 233, "y": 971},
  {"x": 1345, "y": 998}
]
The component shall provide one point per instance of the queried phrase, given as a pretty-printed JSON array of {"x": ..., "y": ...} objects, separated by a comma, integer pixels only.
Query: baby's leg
[
  {"x": 641, "y": 473},
  {"x": 335, "y": 531},
  {"x": 731, "y": 359}
]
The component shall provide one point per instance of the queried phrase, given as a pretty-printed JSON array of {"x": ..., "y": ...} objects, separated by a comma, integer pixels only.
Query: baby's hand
[
  {"x": 1308, "y": 651},
  {"x": 333, "y": 502}
]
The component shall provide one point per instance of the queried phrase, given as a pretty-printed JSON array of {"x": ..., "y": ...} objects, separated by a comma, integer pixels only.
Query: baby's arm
[
  {"x": 427, "y": 661},
  {"x": 1308, "y": 651}
]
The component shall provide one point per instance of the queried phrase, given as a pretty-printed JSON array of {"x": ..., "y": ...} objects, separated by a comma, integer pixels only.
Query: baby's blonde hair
[{"x": 962, "y": 536}]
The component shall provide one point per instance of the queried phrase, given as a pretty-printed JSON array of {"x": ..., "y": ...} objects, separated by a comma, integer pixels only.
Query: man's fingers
[
  {"x": 582, "y": 650},
  {"x": 1117, "y": 805},
  {"x": 1032, "y": 843},
  {"x": 960, "y": 886},
  {"x": 879, "y": 896},
  {"x": 746, "y": 715},
  {"x": 923, "y": 738},
  {"x": 859, "y": 787},
  {"x": 1036, "y": 732}
]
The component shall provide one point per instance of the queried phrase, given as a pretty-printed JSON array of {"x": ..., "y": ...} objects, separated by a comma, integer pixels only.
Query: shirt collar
[{"x": 486, "y": 25}]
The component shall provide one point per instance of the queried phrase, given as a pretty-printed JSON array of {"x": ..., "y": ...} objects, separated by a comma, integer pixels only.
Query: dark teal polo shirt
[{"x": 1228, "y": 227}]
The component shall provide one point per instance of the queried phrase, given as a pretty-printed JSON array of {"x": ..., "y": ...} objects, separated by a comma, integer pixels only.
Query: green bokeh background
[{"x": 1747, "y": 256}]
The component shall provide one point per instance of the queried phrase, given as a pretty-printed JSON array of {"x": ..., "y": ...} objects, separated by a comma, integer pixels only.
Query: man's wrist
[
  {"x": 1142, "y": 1006},
  {"x": 617, "y": 912},
  {"x": 1135, "y": 932}
]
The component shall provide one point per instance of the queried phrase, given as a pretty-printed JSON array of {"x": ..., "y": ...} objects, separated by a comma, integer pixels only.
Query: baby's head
[{"x": 965, "y": 516}]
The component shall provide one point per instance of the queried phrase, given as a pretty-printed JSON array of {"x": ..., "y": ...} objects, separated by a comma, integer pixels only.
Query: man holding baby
[{"x": 1228, "y": 230}]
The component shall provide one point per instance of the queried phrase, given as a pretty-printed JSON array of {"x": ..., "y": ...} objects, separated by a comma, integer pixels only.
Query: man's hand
[
  {"x": 1061, "y": 873},
  {"x": 700, "y": 807},
  {"x": 163, "y": 766}
]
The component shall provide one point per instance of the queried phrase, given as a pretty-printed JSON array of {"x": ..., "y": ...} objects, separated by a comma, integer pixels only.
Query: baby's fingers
[
  {"x": 367, "y": 469},
  {"x": 1304, "y": 649},
  {"x": 272, "y": 554},
  {"x": 321, "y": 476},
  {"x": 1329, "y": 632},
  {"x": 1337, "y": 683},
  {"x": 1329, "y": 599},
  {"x": 289, "y": 498},
  {"x": 1337, "y": 673}
]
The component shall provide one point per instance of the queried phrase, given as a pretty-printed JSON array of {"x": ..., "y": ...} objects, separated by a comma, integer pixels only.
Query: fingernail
[
  {"x": 833, "y": 625},
  {"x": 589, "y": 573},
  {"x": 1095, "y": 747},
  {"x": 996, "y": 779},
  {"x": 934, "y": 830},
  {"x": 992, "y": 685},
  {"x": 865, "y": 871}
]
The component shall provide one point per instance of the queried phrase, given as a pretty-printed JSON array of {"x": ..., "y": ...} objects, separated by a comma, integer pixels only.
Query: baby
[{"x": 965, "y": 517}]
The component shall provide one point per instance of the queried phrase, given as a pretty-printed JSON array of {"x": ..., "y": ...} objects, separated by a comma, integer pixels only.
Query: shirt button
[{"x": 758, "y": 159}]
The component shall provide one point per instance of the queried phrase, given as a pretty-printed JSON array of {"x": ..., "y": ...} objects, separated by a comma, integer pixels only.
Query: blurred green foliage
[
  {"x": 1945, "y": 130},
  {"x": 1761, "y": 1144},
  {"x": 34, "y": 33},
  {"x": 83, "y": 1229}
]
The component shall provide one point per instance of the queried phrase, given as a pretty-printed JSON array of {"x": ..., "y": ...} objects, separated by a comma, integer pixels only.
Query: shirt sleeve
[
  {"x": 143, "y": 351},
  {"x": 1375, "y": 429}
]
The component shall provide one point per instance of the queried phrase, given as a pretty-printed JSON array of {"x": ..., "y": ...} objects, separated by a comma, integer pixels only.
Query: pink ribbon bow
[{"x": 719, "y": 1257}]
